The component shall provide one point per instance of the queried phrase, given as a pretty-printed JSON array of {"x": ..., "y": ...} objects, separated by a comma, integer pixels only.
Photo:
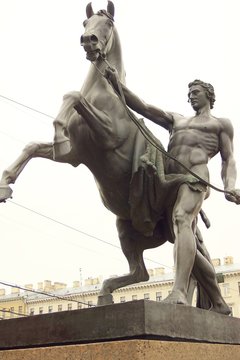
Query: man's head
[{"x": 197, "y": 88}]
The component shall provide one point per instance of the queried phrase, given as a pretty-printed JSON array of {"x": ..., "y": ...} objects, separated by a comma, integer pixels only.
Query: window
[
  {"x": 79, "y": 306},
  {"x": 59, "y": 307},
  {"x": 41, "y": 310},
  {"x": 239, "y": 288},
  {"x": 50, "y": 308},
  {"x": 90, "y": 303},
  {"x": 158, "y": 296},
  {"x": 122, "y": 299},
  {"x": 134, "y": 297},
  {"x": 69, "y": 306},
  {"x": 12, "y": 312},
  {"x": 226, "y": 290},
  {"x": 20, "y": 309},
  {"x": 146, "y": 296},
  {"x": 31, "y": 312}
]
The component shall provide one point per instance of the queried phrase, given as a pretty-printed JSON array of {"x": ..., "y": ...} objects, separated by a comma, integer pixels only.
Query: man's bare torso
[{"x": 193, "y": 141}]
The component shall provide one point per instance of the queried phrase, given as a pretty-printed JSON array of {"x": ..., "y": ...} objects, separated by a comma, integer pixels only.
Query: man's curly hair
[{"x": 209, "y": 90}]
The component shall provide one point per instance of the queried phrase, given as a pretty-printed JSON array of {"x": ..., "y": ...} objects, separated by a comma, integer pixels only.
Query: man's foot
[
  {"x": 222, "y": 308},
  {"x": 176, "y": 297},
  {"x": 5, "y": 192}
]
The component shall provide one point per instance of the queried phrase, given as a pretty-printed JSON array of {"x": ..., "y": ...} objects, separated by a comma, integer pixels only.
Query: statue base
[
  {"x": 134, "y": 330},
  {"x": 127, "y": 349}
]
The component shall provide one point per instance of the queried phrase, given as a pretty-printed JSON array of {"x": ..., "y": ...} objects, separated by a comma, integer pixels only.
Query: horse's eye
[
  {"x": 85, "y": 23},
  {"x": 110, "y": 23}
]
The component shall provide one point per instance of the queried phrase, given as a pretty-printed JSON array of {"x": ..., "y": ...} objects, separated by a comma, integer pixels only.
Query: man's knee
[{"x": 181, "y": 219}]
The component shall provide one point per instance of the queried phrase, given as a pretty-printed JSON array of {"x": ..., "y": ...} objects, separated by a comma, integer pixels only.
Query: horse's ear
[
  {"x": 110, "y": 8},
  {"x": 89, "y": 10}
]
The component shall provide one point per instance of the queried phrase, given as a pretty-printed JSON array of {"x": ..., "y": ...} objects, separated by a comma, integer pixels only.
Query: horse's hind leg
[
  {"x": 9, "y": 176},
  {"x": 132, "y": 244}
]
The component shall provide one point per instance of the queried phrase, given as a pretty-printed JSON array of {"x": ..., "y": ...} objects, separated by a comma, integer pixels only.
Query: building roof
[
  {"x": 69, "y": 292},
  {"x": 229, "y": 268}
]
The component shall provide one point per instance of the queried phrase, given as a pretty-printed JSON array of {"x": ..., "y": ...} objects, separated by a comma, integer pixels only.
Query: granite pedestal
[{"x": 135, "y": 329}]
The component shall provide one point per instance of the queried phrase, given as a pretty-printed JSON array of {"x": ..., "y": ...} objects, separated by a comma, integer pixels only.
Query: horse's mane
[{"x": 104, "y": 12}]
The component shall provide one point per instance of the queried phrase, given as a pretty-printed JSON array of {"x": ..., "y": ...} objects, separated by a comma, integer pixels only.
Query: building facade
[{"x": 53, "y": 297}]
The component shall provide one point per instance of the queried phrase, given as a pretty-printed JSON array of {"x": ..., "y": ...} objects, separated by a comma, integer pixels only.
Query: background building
[{"x": 52, "y": 297}]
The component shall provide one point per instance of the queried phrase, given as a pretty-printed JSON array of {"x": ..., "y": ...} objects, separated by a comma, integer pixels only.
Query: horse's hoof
[
  {"x": 105, "y": 300},
  {"x": 5, "y": 192}
]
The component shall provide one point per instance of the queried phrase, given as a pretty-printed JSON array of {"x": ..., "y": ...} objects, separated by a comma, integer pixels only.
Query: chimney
[
  {"x": 47, "y": 285},
  {"x": 216, "y": 262},
  {"x": 159, "y": 271},
  {"x": 88, "y": 281},
  {"x": 228, "y": 260},
  {"x": 95, "y": 281},
  {"x": 2, "y": 292},
  {"x": 29, "y": 286},
  {"x": 150, "y": 272},
  {"x": 15, "y": 290},
  {"x": 59, "y": 286},
  {"x": 40, "y": 285},
  {"x": 76, "y": 284}
]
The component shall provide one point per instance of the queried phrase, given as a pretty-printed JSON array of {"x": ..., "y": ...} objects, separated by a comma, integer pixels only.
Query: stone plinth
[
  {"x": 136, "y": 320},
  {"x": 128, "y": 350}
]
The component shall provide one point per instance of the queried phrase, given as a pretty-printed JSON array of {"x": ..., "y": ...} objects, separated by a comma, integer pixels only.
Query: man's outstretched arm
[{"x": 158, "y": 116}]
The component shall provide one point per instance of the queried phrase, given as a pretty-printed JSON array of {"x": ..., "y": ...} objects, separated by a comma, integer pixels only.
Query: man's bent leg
[{"x": 186, "y": 209}]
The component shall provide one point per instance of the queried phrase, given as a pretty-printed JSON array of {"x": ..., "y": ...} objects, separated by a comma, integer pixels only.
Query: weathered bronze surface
[{"x": 154, "y": 199}]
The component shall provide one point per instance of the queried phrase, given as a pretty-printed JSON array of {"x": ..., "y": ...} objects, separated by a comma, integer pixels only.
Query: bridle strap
[{"x": 148, "y": 135}]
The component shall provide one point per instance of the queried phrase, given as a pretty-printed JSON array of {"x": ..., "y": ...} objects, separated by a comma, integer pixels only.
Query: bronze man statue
[
  {"x": 94, "y": 129},
  {"x": 193, "y": 141}
]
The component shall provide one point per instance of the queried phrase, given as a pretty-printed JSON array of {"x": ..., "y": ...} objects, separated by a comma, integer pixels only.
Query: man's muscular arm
[
  {"x": 158, "y": 116},
  {"x": 229, "y": 172}
]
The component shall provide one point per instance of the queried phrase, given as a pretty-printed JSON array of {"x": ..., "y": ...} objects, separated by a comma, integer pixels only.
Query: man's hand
[
  {"x": 233, "y": 196},
  {"x": 111, "y": 75}
]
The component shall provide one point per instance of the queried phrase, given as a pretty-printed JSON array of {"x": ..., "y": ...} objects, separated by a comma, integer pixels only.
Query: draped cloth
[{"x": 152, "y": 191}]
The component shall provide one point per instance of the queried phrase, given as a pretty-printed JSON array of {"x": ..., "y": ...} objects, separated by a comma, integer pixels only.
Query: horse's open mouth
[{"x": 92, "y": 55}]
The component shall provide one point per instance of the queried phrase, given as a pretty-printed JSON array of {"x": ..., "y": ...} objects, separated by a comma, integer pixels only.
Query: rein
[{"x": 148, "y": 135}]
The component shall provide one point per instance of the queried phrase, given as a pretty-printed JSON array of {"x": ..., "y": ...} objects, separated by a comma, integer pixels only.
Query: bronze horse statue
[{"x": 94, "y": 128}]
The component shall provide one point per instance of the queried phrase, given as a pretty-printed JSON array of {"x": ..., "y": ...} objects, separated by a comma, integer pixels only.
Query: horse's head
[{"x": 98, "y": 31}]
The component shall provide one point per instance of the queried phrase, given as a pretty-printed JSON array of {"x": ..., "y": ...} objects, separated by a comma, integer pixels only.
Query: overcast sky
[{"x": 166, "y": 44}]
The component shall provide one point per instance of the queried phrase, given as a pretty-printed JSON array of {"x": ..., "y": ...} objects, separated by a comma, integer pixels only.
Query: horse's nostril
[
  {"x": 88, "y": 39},
  {"x": 94, "y": 39}
]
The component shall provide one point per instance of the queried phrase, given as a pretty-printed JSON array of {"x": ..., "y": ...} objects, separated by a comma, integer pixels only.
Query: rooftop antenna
[{"x": 80, "y": 276}]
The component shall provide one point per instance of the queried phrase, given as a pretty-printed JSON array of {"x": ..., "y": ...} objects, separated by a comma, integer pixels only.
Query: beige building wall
[
  {"x": 12, "y": 305},
  {"x": 63, "y": 298}
]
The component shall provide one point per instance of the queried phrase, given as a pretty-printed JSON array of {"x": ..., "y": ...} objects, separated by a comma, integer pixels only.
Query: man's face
[{"x": 197, "y": 97}]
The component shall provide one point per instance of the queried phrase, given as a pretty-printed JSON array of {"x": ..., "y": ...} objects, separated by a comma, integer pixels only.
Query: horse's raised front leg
[
  {"x": 133, "y": 244},
  {"x": 9, "y": 176},
  {"x": 100, "y": 123}
]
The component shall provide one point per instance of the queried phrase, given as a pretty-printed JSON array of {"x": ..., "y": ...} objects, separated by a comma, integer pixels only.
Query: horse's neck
[
  {"x": 96, "y": 71},
  {"x": 114, "y": 57}
]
